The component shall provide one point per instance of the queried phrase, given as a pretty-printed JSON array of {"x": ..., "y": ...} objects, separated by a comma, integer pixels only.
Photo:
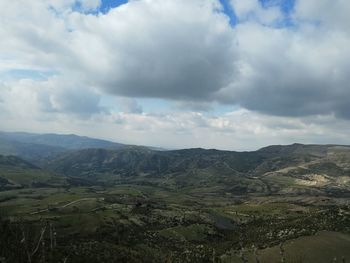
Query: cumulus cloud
[
  {"x": 293, "y": 71},
  {"x": 329, "y": 14},
  {"x": 181, "y": 51},
  {"x": 143, "y": 49},
  {"x": 238, "y": 130},
  {"x": 253, "y": 10},
  {"x": 90, "y": 4},
  {"x": 156, "y": 49},
  {"x": 159, "y": 49},
  {"x": 34, "y": 99}
]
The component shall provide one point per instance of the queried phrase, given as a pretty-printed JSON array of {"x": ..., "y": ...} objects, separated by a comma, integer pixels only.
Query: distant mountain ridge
[
  {"x": 276, "y": 169},
  {"x": 38, "y": 148},
  {"x": 68, "y": 141},
  {"x": 29, "y": 151}
]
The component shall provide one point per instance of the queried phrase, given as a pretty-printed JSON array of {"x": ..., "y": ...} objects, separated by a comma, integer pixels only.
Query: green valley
[{"x": 138, "y": 204}]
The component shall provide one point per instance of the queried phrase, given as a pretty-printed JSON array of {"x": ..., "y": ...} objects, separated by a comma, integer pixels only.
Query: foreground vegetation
[{"x": 134, "y": 223}]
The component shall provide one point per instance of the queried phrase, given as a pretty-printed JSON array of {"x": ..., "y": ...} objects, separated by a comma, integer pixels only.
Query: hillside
[
  {"x": 29, "y": 151},
  {"x": 194, "y": 205},
  {"x": 67, "y": 141},
  {"x": 16, "y": 173},
  {"x": 293, "y": 169},
  {"x": 321, "y": 248},
  {"x": 39, "y": 148},
  {"x": 133, "y": 161}
]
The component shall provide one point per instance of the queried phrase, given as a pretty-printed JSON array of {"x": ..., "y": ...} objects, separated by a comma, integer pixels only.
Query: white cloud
[
  {"x": 155, "y": 49},
  {"x": 252, "y": 10},
  {"x": 330, "y": 14},
  {"x": 164, "y": 49},
  {"x": 90, "y": 4},
  {"x": 237, "y": 130},
  {"x": 29, "y": 98},
  {"x": 293, "y": 71}
]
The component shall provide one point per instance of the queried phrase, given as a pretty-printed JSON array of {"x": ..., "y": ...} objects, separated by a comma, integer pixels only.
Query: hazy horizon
[{"x": 169, "y": 148}]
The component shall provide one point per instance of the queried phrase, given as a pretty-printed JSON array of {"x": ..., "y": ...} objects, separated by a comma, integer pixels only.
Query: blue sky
[
  {"x": 108, "y": 4},
  {"x": 27, "y": 74},
  {"x": 228, "y": 10},
  {"x": 286, "y": 6}
]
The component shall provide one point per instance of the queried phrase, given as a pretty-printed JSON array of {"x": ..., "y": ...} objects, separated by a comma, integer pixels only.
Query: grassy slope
[
  {"x": 166, "y": 221},
  {"x": 292, "y": 169},
  {"x": 19, "y": 173},
  {"x": 320, "y": 248},
  {"x": 199, "y": 212}
]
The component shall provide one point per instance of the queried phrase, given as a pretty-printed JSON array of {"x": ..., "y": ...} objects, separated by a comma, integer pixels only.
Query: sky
[{"x": 225, "y": 74}]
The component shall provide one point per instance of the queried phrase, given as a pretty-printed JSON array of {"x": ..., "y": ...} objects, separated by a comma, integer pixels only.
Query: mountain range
[{"x": 292, "y": 169}]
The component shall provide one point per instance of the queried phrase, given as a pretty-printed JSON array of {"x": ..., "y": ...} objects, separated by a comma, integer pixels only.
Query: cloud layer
[{"x": 271, "y": 63}]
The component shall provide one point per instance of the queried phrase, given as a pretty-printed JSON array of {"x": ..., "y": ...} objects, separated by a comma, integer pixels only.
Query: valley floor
[{"x": 142, "y": 223}]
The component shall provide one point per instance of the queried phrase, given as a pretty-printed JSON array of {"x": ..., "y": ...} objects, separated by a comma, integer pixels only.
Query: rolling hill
[
  {"x": 39, "y": 148},
  {"x": 32, "y": 152},
  {"x": 293, "y": 169},
  {"x": 16, "y": 173},
  {"x": 135, "y": 204},
  {"x": 66, "y": 141}
]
